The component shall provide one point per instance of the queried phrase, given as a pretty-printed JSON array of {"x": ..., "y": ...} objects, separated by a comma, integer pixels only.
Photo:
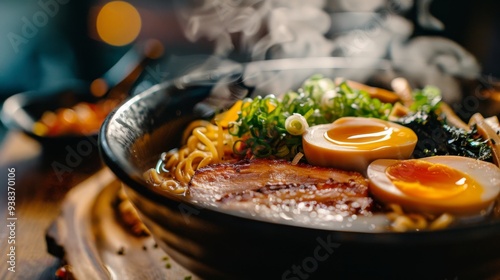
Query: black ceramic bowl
[
  {"x": 21, "y": 111},
  {"x": 221, "y": 245}
]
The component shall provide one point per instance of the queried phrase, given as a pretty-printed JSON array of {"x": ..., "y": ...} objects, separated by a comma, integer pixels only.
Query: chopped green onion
[
  {"x": 272, "y": 126},
  {"x": 296, "y": 124},
  {"x": 426, "y": 99}
]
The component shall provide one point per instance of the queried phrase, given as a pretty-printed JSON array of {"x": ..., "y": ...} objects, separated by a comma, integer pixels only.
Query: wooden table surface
[{"x": 42, "y": 178}]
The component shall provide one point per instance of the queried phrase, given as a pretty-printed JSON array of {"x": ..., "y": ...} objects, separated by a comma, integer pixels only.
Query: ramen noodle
[
  {"x": 401, "y": 221},
  {"x": 204, "y": 144}
]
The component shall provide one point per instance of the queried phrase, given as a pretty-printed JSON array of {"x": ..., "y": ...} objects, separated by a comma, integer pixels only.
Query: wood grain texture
[
  {"x": 39, "y": 193},
  {"x": 98, "y": 246},
  {"x": 77, "y": 200}
]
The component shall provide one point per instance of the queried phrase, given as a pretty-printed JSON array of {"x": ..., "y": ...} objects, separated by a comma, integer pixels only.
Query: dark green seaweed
[{"x": 436, "y": 137}]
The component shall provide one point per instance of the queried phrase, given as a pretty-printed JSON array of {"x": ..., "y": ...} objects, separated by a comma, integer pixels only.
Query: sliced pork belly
[{"x": 279, "y": 184}]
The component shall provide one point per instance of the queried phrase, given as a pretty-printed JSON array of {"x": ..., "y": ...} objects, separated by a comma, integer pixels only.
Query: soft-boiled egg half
[
  {"x": 435, "y": 185},
  {"x": 351, "y": 143}
]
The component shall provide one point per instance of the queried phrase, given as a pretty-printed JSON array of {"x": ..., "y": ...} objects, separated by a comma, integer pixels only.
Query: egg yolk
[
  {"x": 435, "y": 185},
  {"x": 428, "y": 180},
  {"x": 351, "y": 143},
  {"x": 363, "y": 137}
]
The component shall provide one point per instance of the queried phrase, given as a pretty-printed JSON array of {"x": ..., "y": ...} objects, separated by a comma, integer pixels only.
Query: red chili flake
[{"x": 64, "y": 273}]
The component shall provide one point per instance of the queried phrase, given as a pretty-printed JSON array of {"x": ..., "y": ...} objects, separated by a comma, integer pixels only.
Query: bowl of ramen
[{"x": 307, "y": 169}]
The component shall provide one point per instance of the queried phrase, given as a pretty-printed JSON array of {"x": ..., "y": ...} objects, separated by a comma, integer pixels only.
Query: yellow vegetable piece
[{"x": 230, "y": 115}]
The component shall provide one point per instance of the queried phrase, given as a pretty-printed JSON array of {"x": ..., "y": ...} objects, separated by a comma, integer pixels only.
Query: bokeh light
[{"x": 118, "y": 23}]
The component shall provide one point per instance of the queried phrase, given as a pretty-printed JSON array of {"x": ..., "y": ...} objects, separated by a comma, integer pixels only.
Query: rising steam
[{"x": 366, "y": 30}]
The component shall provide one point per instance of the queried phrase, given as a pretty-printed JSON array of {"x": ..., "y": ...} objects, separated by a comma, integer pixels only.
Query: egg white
[
  {"x": 356, "y": 157},
  {"x": 485, "y": 173}
]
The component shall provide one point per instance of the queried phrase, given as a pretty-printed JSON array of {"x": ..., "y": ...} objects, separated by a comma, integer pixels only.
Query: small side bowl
[
  {"x": 216, "y": 244},
  {"x": 22, "y": 110}
]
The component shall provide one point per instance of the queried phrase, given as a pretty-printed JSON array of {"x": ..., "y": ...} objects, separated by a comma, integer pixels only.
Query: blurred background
[{"x": 44, "y": 43}]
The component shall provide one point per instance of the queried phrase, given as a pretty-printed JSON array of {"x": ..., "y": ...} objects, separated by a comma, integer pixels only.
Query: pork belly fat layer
[{"x": 278, "y": 182}]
